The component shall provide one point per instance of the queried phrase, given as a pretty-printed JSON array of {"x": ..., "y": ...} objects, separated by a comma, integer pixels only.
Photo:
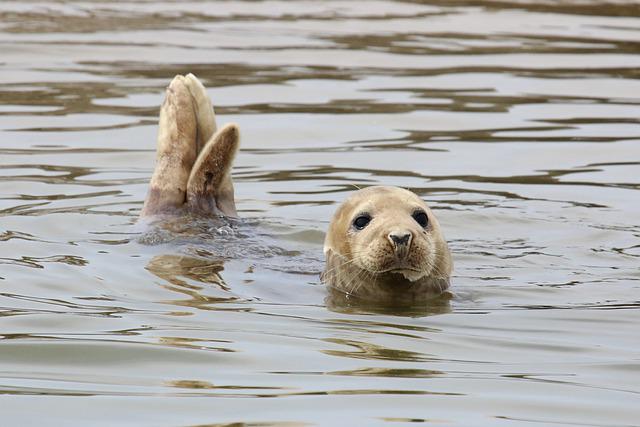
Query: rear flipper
[
  {"x": 175, "y": 152},
  {"x": 210, "y": 188},
  {"x": 193, "y": 166}
]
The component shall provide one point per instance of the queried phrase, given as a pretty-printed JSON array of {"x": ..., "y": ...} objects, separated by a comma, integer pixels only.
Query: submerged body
[{"x": 385, "y": 244}]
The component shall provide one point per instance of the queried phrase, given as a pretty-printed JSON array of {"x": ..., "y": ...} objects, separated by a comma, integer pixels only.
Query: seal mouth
[{"x": 411, "y": 274}]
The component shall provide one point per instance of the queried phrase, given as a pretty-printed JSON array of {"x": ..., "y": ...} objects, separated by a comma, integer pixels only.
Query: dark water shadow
[{"x": 340, "y": 302}]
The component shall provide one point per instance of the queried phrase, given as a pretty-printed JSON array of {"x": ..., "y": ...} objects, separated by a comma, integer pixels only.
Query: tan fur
[
  {"x": 193, "y": 163},
  {"x": 366, "y": 263}
]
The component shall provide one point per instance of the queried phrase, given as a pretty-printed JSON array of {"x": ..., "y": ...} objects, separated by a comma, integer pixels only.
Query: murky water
[{"x": 517, "y": 120}]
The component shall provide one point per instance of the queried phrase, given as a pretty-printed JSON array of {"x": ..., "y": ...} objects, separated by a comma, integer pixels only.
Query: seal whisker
[
  {"x": 356, "y": 282},
  {"x": 362, "y": 281},
  {"x": 340, "y": 265},
  {"x": 349, "y": 281}
]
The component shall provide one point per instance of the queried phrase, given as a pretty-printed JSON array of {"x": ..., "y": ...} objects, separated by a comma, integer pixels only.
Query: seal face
[{"x": 385, "y": 244}]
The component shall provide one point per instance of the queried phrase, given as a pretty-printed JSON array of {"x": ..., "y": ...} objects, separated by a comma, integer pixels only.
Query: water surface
[{"x": 518, "y": 121}]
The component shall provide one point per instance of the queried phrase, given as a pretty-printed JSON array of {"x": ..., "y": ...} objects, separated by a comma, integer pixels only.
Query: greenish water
[{"x": 518, "y": 121}]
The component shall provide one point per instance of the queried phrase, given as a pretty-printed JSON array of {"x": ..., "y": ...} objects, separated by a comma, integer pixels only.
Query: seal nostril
[{"x": 400, "y": 239}]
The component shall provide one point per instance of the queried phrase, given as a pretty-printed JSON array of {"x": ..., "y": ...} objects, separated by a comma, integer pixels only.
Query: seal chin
[{"x": 410, "y": 275}]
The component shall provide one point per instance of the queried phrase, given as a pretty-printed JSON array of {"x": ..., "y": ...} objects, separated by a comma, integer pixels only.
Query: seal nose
[{"x": 400, "y": 240}]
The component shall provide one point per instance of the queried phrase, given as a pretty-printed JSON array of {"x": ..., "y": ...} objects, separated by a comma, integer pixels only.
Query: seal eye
[
  {"x": 361, "y": 221},
  {"x": 421, "y": 218}
]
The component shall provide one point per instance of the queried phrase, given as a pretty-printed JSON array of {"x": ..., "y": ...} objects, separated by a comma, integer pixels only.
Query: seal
[
  {"x": 193, "y": 158},
  {"x": 384, "y": 244}
]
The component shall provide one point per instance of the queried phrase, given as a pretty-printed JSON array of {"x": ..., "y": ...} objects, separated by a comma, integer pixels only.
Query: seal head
[{"x": 385, "y": 244}]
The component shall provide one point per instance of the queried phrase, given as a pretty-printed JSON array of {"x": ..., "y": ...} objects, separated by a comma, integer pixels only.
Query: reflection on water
[
  {"x": 343, "y": 303},
  {"x": 516, "y": 120},
  {"x": 171, "y": 267}
]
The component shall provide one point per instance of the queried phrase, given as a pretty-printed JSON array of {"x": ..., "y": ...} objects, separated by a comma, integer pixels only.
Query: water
[{"x": 517, "y": 121}]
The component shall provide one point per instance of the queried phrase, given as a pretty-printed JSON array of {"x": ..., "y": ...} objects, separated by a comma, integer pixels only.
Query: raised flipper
[
  {"x": 210, "y": 188},
  {"x": 176, "y": 150},
  {"x": 193, "y": 162},
  {"x": 205, "y": 117}
]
